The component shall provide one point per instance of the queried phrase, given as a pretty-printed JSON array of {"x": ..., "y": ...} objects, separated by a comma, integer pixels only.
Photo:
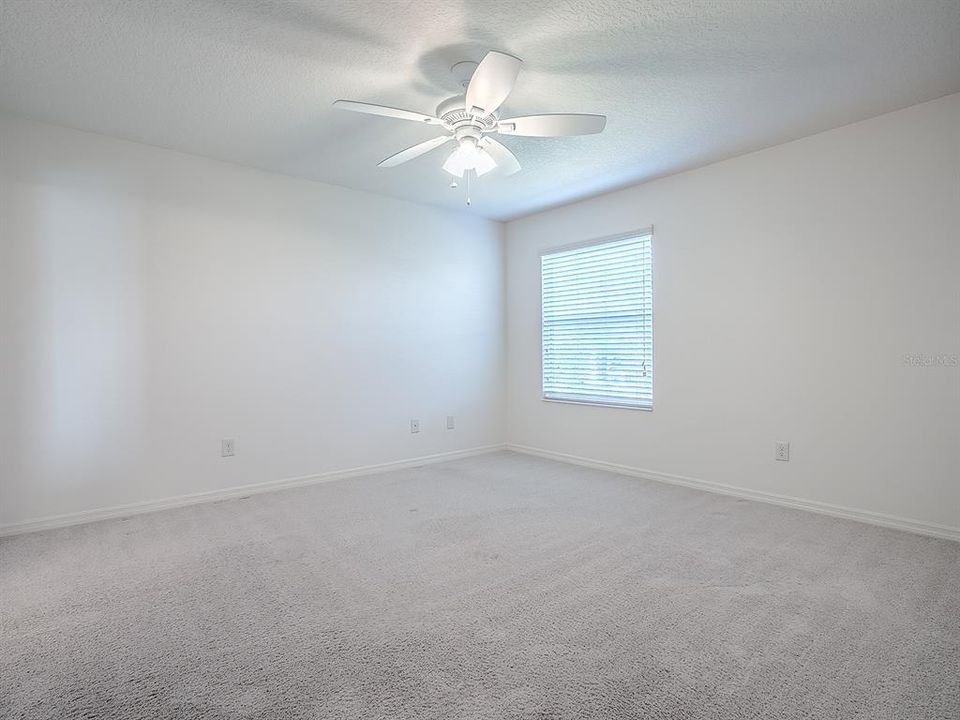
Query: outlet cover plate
[{"x": 782, "y": 451}]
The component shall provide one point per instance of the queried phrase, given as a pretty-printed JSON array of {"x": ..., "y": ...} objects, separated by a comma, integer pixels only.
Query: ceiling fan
[{"x": 470, "y": 119}]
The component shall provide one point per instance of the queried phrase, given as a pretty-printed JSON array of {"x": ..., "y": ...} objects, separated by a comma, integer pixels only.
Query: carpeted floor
[{"x": 501, "y": 586}]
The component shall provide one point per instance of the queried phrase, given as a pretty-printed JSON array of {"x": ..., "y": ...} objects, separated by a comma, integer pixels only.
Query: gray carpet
[{"x": 501, "y": 586}]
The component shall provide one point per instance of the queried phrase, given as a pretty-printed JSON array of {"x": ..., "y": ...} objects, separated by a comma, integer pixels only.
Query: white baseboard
[
  {"x": 891, "y": 521},
  {"x": 118, "y": 511},
  {"x": 873, "y": 518}
]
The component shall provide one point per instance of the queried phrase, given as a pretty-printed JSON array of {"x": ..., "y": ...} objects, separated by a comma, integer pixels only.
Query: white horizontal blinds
[{"x": 598, "y": 323}]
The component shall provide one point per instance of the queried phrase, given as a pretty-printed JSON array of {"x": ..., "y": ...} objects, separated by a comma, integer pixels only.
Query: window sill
[{"x": 645, "y": 408}]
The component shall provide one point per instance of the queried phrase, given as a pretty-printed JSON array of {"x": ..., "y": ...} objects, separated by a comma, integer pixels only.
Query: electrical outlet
[
  {"x": 451, "y": 423},
  {"x": 414, "y": 426},
  {"x": 226, "y": 447},
  {"x": 782, "y": 452}
]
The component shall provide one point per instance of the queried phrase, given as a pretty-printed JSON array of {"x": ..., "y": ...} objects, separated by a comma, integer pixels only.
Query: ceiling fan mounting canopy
[
  {"x": 463, "y": 71},
  {"x": 471, "y": 118}
]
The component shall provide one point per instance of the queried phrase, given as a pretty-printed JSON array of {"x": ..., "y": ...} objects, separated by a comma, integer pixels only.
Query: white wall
[
  {"x": 789, "y": 284},
  {"x": 152, "y": 303}
]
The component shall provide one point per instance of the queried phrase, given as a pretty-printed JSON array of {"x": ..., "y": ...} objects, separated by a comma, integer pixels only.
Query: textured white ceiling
[{"x": 683, "y": 82}]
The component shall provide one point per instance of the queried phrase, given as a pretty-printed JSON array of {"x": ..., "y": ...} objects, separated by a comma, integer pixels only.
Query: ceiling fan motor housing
[{"x": 454, "y": 114}]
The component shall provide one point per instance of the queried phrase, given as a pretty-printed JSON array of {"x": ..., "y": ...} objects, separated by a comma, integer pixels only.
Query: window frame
[{"x": 638, "y": 233}]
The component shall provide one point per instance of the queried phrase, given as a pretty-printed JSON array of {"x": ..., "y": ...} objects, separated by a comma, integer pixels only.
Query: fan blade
[
  {"x": 416, "y": 151},
  {"x": 386, "y": 112},
  {"x": 507, "y": 163},
  {"x": 492, "y": 81},
  {"x": 555, "y": 125}
]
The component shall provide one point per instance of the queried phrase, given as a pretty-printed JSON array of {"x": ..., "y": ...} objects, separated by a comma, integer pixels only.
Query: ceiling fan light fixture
[
  {"x": 454, "y": 164},
  {"x": 485, "y": 163},
  {"x": 468, "y": 156}
]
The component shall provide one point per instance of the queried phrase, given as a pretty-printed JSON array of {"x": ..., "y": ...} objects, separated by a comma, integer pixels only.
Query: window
[{"x": 598, "y": 322}]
